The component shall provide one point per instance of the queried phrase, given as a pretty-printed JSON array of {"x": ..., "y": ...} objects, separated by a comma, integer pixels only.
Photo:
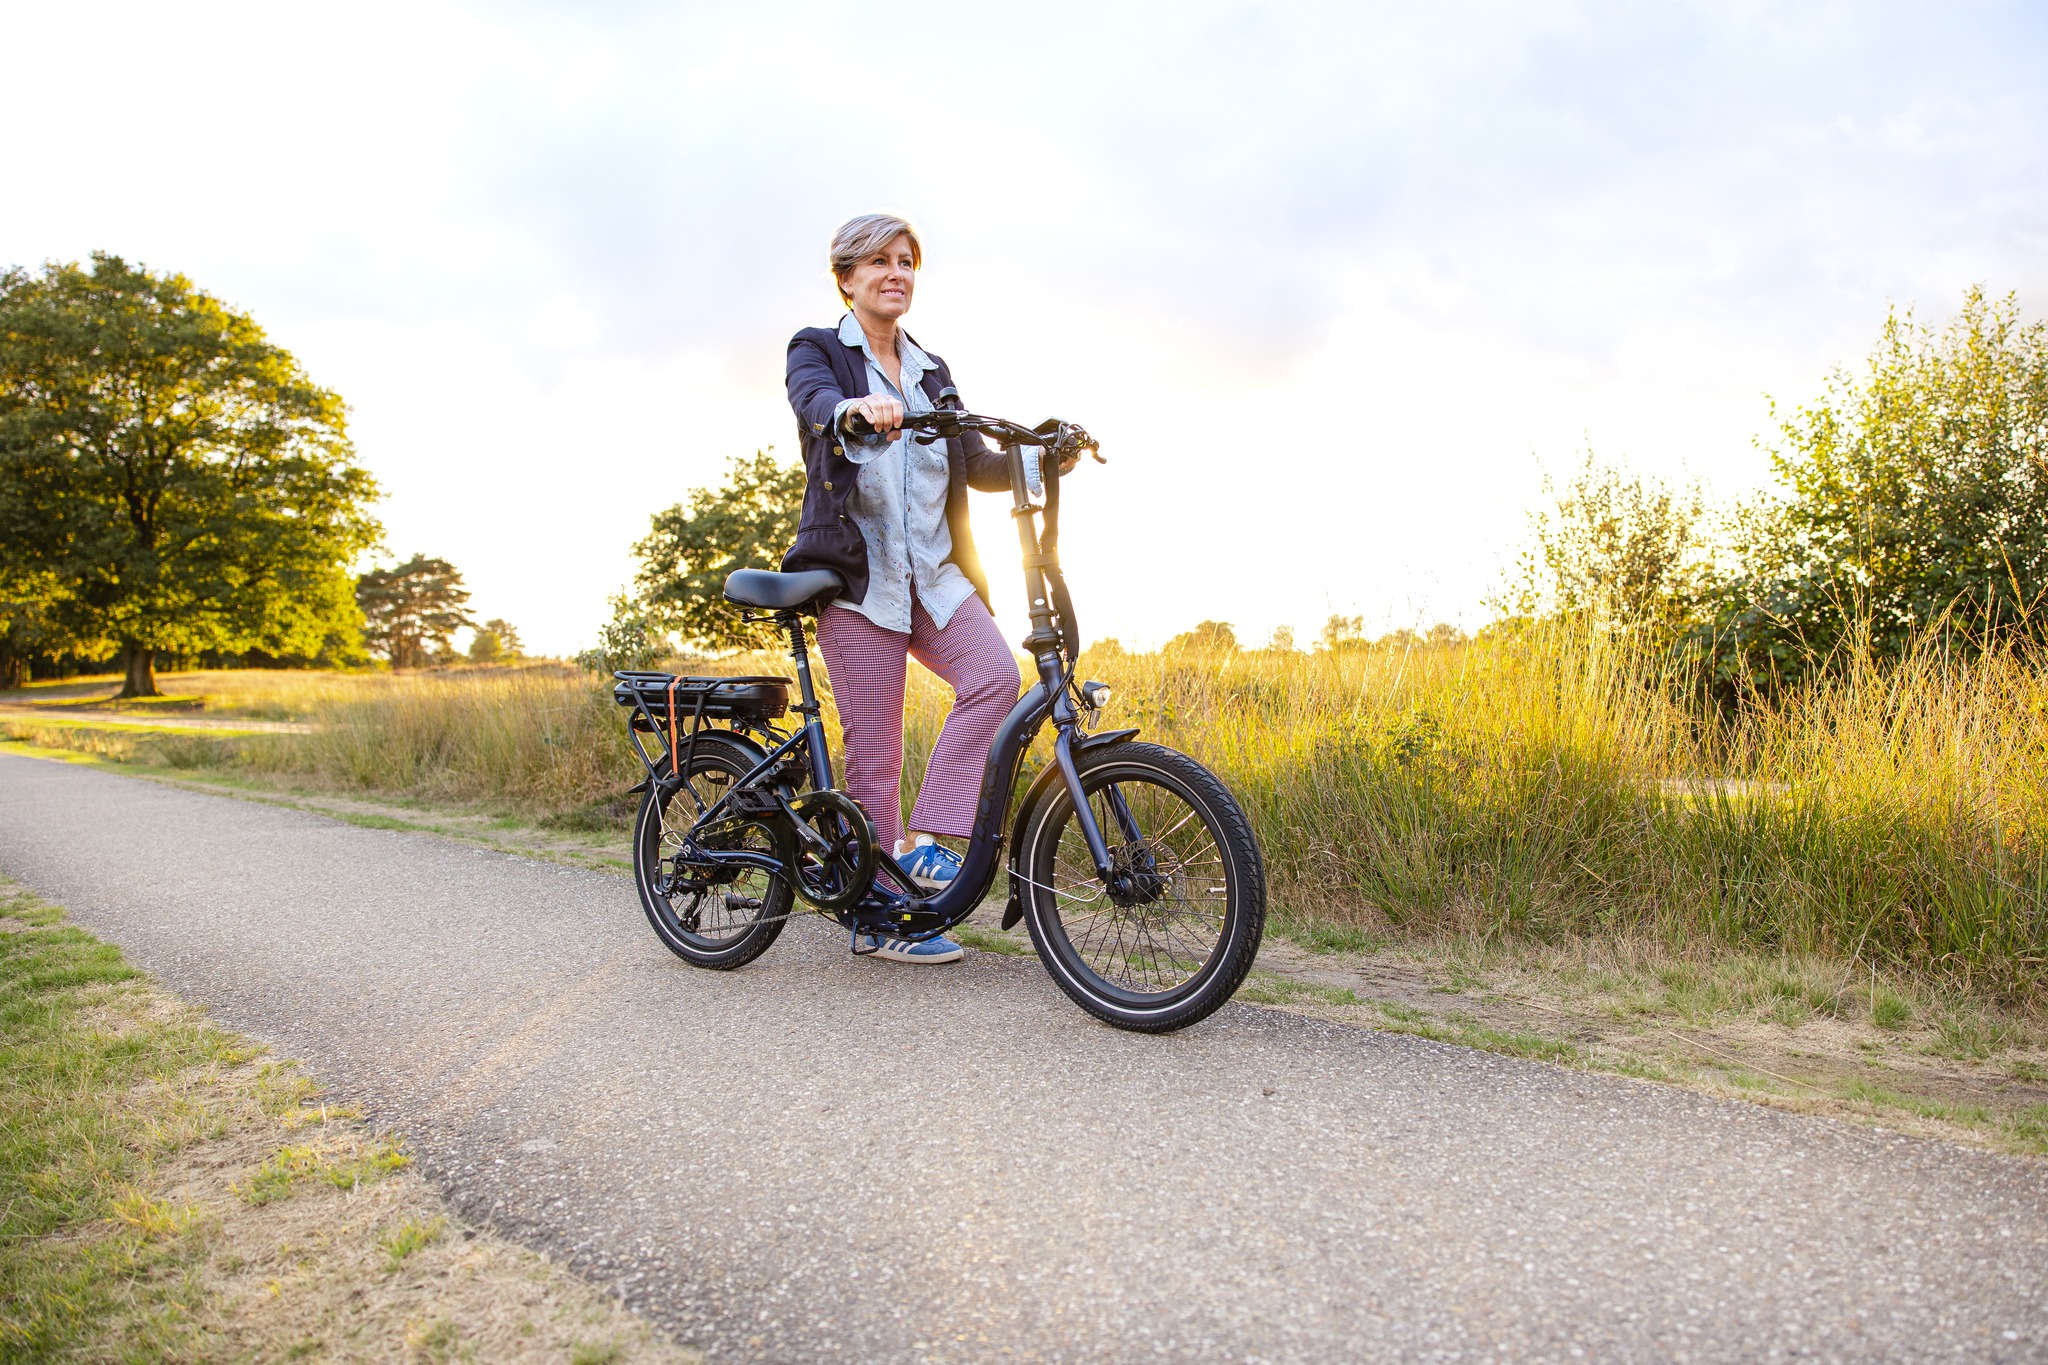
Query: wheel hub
[{"x": 1134, "y": 878}]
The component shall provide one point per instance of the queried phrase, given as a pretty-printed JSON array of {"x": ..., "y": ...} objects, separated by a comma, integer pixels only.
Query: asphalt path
[{"x": 822, "y": 1158}]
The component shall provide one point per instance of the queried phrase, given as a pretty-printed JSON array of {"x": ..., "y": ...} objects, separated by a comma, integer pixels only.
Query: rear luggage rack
[
  {"x": 752, "y": 701},
  {"x": 662, "y": 702}
]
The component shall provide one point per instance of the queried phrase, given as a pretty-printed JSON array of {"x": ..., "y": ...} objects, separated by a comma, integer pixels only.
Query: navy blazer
[{"x": 823, "y": 371}]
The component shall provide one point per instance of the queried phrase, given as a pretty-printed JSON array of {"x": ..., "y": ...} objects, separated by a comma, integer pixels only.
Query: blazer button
[
  {"x": 836, "y": 450},
  {"x": 828, "y": 485},
  {"x": 817, "y": 426}
]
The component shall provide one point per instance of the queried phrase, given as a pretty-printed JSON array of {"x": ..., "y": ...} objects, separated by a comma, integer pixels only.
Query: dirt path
[
  {"x": 823, "y": 1158},
  {"x": 65, "y": 714}
]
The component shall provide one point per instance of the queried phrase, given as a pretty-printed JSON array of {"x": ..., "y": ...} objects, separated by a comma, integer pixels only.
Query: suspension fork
[{"x": 1084, "y": 814}]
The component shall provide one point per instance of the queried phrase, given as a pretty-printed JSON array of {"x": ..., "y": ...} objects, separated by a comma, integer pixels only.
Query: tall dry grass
[
  {"x": 1550, "y": 783},
  {"x": 1556, "y": 782},
  {"x": 542, "y": 739}
]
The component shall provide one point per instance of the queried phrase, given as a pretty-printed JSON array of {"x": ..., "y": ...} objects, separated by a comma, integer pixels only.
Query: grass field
[
  {"x": 1543, "y": 786},
  {"x": 1521, "y": 846},
  {"x": 170, "y": 1193}
]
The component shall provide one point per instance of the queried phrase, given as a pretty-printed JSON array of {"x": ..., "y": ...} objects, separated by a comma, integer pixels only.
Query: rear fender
[{"x": 1047, "y": 781}]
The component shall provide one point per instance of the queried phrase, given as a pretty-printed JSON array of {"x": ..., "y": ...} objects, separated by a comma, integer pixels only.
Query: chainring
[{"x": 838, "y": 870}]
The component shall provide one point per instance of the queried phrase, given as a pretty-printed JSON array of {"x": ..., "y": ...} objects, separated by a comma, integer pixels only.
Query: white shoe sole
[{"x": 898, "y": 952}]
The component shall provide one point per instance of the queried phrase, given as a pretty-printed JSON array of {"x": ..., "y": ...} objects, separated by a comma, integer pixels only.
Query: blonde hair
[{"x": 860, "y": 238}]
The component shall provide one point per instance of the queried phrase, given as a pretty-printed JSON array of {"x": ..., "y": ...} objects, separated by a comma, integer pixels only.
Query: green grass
[
  {"x": 1270, "y": 988},
  {"x": 1327, "y": 936},
  {"x": 1889, "y": 1009},
  {"x": 410, "y": 1236},
  {"x": 92, "y": 1100},
  {"x": 118, "y": 1103},
  {"x": 346, "y": 1167},
  {"x": 991, "y": 941}
]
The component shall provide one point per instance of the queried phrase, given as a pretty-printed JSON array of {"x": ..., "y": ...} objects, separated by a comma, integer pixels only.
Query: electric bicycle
[{"x": 1132, "y": 866}]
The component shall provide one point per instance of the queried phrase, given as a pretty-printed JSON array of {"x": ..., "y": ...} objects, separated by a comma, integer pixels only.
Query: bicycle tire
[
  {"x": 679, "y": 929},
  {"x": 1133, "y": 941}
]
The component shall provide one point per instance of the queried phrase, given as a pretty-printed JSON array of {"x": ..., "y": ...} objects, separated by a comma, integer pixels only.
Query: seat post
[{"x": 807, "y": 706}]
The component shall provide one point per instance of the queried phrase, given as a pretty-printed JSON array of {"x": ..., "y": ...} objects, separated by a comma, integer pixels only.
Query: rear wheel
[
  {"x": 1172, "y": 934},
  {"x": 723, "y": 917}
]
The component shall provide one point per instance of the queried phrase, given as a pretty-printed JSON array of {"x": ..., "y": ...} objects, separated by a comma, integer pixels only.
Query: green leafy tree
[
  {"x": 29, "y": 602},
  {"x": 1629, "y": 552},
  {"x": 629, "y": 640},
  {"x": 412, "y": 609},
  {"x": 174, "y": 471},
  {"x": 746, "y": 524},
  {"x": 1915, "y": 496},
  {"x": 495, "y": 639}
]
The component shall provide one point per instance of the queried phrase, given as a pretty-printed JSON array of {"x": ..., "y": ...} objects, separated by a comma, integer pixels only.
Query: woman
[{"x": 890, "y": 516}]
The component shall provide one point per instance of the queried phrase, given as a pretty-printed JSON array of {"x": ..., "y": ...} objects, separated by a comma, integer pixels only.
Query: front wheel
[{"x": 1172, "y": 934}]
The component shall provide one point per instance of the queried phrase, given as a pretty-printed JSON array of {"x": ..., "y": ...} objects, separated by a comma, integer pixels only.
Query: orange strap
[{"x": 674, "y": 767}]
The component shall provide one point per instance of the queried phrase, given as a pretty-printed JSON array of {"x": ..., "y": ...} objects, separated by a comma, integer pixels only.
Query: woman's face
[{"x": 881, "y": 285}]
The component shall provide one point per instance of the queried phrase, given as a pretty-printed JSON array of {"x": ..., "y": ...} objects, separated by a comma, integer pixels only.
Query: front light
[{"x": 1095, "y": 694}]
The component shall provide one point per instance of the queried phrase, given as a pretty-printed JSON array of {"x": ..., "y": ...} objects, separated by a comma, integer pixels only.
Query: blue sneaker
[
  {"x": 932, "y": 950},
  {"x": 931, "y": 864}
]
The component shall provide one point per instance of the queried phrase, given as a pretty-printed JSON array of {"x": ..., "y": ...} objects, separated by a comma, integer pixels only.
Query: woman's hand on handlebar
[{"x": 881, "y": 415}]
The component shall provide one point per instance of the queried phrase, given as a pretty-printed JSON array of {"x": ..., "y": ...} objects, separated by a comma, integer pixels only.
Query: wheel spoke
[
  {"x": 711, "y": 917},
  {"x": 1175, "y": 876}
]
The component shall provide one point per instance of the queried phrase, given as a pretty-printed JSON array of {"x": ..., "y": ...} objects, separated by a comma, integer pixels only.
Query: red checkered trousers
[{"x": 868, "y": 667}]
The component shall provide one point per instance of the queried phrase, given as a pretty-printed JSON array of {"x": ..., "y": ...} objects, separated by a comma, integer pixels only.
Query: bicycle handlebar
[{"x": 1063, "y": 437}]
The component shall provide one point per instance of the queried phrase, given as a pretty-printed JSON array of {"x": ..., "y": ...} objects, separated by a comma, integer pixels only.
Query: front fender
[{"x": 1027, "y": 810}]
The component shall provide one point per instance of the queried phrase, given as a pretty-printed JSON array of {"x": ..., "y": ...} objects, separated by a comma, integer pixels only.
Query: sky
[{"x": 1336, "y": 285}]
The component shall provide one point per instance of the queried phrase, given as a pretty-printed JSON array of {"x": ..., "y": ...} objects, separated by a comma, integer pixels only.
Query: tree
[
  {"x": 628, "y": 640},
  {"x": 495, "y": 639},
  {"x": 411, "y": 611},
  {"x": 28, "y": 608},
  {"x": 747, "y": 524},
  {"x": 1343, "y": 632},
  {"x": 1915, "y": 497},
  {"x": 1629, "y": 552},
  {"x": 177, "y": 474},
  {"x": 1207, "y": 635}
]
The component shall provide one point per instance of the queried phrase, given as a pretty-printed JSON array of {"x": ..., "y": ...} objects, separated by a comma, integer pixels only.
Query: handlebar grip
[{"x": 857, "y": 425}]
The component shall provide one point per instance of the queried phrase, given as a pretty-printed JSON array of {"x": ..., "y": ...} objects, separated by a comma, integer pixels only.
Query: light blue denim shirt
[{"x": 899, "y": 502}]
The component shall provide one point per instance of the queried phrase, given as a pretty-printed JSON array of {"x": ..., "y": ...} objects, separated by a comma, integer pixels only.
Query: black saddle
[{"x": 782, "y": 591}]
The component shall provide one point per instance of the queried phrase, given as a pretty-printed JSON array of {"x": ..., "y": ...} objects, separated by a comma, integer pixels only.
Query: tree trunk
[
  {"x": 141, "y": 673},
  {"x": 13, "y": 671}
]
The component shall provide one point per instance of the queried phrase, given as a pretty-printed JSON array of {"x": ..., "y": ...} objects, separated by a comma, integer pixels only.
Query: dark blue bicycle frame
[{"x": 1054, "y": 644}]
